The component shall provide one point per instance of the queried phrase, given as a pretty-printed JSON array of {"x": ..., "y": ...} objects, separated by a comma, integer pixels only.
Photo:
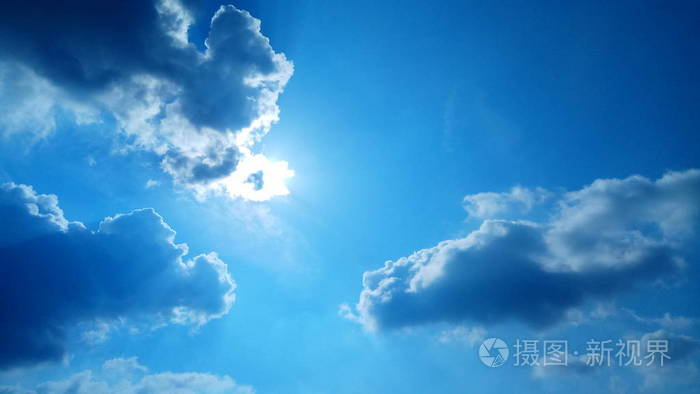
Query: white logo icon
[{"x": 493, "y": 352}]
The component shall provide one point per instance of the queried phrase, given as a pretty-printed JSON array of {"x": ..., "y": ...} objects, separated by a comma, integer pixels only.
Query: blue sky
[{"x": 553, "y": 146}]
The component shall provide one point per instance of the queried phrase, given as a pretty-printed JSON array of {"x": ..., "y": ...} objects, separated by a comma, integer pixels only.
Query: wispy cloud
[{"x": 128, "y": 376}]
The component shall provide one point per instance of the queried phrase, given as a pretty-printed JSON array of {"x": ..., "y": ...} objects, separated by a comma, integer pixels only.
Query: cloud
[
  {"x": 127, "y": 376},
  {"x": 667, "y": 321},
  {"x": 491, "y": 205},
  {"x": 680, "y": 347},
  {"x": 26, "y": 102},
  {"x": 575, "y": 365},
  {"x": 680, "y": 352},
  {"x": 201, "y": 110},
  {"x": 679, "y": 372},
  {"x": 151, "y": 183},
  {"x": 612, "y": 236},
  {"x": 124, "y": 366},
  {"x": 56, "y": 274},
  {"x": 466, "y": 335}
]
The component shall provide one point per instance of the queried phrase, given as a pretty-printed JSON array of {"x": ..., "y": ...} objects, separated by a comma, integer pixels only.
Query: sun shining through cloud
[
  {"x": 230, "y": 171},
  {"x": 257, "y": 178},
  {"x": 201, "y": 112}
]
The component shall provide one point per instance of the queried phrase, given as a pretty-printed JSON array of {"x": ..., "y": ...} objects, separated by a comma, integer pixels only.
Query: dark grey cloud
[
  {"x": 56, "y": 275},
  {"x": 215, "y": 165},
  {"x": 132, "y": 62},
  {"x": 606, "y": 238}
]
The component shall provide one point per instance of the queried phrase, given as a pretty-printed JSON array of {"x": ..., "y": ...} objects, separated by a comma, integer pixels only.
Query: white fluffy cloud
[
  {"x": 127, "y": 376},
  {"x": 606, "y": 238},
  {"x": 57, "y": 275},
  {"x": 202, "y": 111},
  {"x": 491, "y": 205}
]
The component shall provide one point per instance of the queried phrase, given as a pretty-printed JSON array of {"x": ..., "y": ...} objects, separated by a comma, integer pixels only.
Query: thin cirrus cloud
[
  {"x": 128, "y": 376},
  {"x": 202, "y": 111},
  {"x": 57, "y": 275},
  {"x": 603, "y": 239}
]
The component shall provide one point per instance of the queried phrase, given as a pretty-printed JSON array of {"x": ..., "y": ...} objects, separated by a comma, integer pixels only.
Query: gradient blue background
[{"x": 396, "y": 111}]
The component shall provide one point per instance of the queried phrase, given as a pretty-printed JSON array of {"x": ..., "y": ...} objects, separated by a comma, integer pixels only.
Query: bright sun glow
[{"x": 272, "y": 182}]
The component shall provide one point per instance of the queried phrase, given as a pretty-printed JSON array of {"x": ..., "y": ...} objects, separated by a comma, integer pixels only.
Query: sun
[{"x": 257, "y": 178}]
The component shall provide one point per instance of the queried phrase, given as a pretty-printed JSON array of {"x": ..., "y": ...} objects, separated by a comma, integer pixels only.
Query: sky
[{"x": 347, "y": 197}]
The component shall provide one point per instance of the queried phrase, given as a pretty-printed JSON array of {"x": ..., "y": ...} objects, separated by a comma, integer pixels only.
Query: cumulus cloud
[
  {"x": 56, "y": 274},
  {"x": 611, "y": 236},
  {"x": 127, "y": 376},
  {"x": 202, "y": 111}
]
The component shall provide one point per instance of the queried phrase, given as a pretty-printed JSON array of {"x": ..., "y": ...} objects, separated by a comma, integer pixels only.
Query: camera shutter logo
[{"x": 493, "y": 352}]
